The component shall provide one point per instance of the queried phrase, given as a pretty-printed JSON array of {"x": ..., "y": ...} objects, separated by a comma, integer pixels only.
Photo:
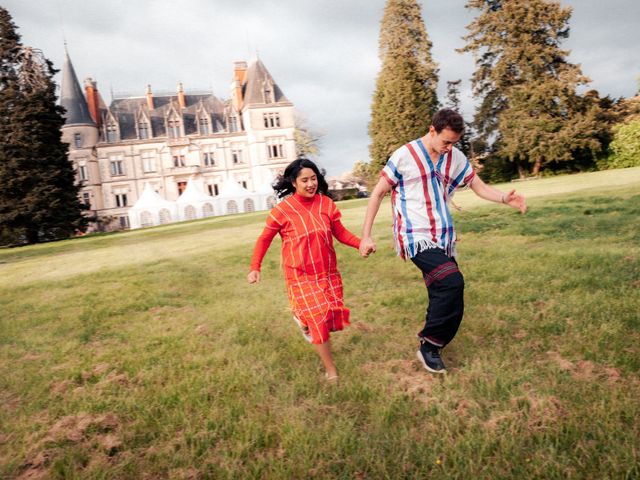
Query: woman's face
[{"x": 306, "y": 183}]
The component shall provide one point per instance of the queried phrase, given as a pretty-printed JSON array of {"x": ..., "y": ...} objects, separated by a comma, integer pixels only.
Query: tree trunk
[
  {"x": 522, "y": 172},
  {"x": 536, "y": 167}
]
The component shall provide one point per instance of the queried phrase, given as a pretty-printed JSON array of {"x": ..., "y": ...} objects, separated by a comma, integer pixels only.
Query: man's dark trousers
[{"x": 445, "y": 285}]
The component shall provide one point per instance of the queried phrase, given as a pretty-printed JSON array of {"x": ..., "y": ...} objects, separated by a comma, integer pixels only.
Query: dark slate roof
[
  {"x": 126, "y": 110},
  {"x": 256, "y": 77},
  {"x": 72, "y": 97}
]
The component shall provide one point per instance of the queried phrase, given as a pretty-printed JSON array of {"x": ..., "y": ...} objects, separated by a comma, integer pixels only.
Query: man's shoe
[{"x": 429, "y": 355}]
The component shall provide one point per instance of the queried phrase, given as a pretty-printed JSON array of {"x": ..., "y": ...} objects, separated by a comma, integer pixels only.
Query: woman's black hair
[{"x": 283, "y": 185}]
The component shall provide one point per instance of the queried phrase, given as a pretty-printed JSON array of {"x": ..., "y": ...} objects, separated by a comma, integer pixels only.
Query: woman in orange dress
[{"x": 307, "y": 221}]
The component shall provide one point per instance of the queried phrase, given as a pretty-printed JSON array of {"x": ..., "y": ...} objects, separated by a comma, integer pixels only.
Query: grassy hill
[{"x": 146, "y": 354}]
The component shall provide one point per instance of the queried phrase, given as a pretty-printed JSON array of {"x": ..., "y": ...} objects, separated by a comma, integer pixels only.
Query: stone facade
[{"x": 166, "y": 139}]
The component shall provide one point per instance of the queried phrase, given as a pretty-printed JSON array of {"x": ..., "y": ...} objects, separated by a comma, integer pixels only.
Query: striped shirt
[{"x": 420, "y": 196}]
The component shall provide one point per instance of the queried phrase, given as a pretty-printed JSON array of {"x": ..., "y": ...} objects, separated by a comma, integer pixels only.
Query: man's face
[{"x": 443, "y": 142}]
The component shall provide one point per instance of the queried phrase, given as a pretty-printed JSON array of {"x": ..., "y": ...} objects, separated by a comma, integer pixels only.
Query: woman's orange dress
[{"x": 307, "y": 227}]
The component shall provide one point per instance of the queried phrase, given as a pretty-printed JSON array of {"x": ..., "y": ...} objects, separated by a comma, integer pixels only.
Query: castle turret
[{"x": 79, "y": 130}]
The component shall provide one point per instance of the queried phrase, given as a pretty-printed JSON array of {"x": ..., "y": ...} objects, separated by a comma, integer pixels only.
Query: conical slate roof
[
  {"x": 192, "y": 194},
  {"x": 72, "y": 97},
  {"x": 257, "y": 78}
]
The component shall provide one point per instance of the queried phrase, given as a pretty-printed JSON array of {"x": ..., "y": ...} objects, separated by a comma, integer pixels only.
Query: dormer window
[
  {"x": 268, "y": 93},
  {"x": 174, "y": 128},
  {"x": 112, "y": 132},
  {"x": 203, "y": 124},
  {"x": 233, "y": 123},
  {"x": 143, "y": 130}
]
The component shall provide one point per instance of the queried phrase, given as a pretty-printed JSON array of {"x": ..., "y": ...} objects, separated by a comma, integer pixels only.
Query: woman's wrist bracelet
[{"x": 502, "y": 198}]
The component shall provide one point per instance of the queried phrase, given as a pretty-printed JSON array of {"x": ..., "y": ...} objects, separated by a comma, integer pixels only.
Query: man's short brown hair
[{"x": 447, "y": 118}]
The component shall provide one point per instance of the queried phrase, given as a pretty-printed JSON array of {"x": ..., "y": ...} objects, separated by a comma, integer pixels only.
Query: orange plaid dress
[{"x": 314, "y": 286}]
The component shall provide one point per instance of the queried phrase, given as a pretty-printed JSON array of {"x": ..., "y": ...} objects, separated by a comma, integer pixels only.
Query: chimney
[
  {"x": 239, "y": 74},
  {"x": 149, "y": 98},
  {"x": 93, "y": 102},
  {"x": 181, "y": 100}
]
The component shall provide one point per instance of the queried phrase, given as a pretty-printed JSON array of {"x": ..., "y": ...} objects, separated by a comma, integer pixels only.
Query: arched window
[
  {"x": 232, "y": 207},
  {"x": 207, "y": 210},
  {"x": 189, "y": 212},
  {"x": 146, "y": 220},
  {"x": 271, "y": 202},
  {"x": 165, "y": 216},
  {"x": 249, "y": 206}
]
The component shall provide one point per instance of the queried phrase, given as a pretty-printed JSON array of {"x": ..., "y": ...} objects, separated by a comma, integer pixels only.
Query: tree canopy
[
  {"x": 405, "y": 97},
  {"x": 529, "y": 110},
  {"x": 38, "y": 194}
]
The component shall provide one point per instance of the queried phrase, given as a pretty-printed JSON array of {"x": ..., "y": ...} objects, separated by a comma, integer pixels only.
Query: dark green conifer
[
  {"x": 453, "y": 102},
  {"x": 405, "y": 97},
  {"x": 38, "y": 194},
  {"x": 529, "y": 107}
]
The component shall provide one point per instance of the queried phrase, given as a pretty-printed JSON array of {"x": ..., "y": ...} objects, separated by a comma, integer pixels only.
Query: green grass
[{"x": 146, "y": 355}]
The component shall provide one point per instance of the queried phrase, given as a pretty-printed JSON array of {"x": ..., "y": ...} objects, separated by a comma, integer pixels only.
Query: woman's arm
[
  {"x": 343, "y": 235},
  {"x": 259, "y": 251}
]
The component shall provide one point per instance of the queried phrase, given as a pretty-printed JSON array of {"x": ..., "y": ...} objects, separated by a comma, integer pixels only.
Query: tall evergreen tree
[
  {"x": 453, "y": 95},
  {"x": 405, "y": 97},
  {"x": 453, "y": 102},
  {"x": 38, "y": 194},
  {"x": 529, "y": 106}
]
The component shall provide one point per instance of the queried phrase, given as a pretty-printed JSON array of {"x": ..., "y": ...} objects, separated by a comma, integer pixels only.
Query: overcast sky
[{"x": 322, "y": 53}]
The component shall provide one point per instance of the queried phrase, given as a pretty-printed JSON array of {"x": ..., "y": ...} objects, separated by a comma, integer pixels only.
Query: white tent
[
  {"x": 235, "y": 199},
  {"x": 266, "y": 195},
  {"x": 151, "y": 209},
  {"x": 193, "y": 203}
]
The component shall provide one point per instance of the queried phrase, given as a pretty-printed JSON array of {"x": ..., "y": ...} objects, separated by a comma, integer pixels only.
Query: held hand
[
  {"x": 367, "y": 247},
  {"x": 253, "y": 277},
  {"x": 516, "y": 200}
]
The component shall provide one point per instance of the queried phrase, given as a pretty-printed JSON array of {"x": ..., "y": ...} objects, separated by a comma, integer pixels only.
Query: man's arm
[
  {"x": 513, "y": 199},
  {"x": 367, "y": 245}
]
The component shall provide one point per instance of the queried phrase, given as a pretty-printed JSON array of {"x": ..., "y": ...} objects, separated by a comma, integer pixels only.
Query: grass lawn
[{"x": 146, "y": 355}]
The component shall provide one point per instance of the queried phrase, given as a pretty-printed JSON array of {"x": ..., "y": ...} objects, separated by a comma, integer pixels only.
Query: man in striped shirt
[{"x": 422, "y": 176}]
